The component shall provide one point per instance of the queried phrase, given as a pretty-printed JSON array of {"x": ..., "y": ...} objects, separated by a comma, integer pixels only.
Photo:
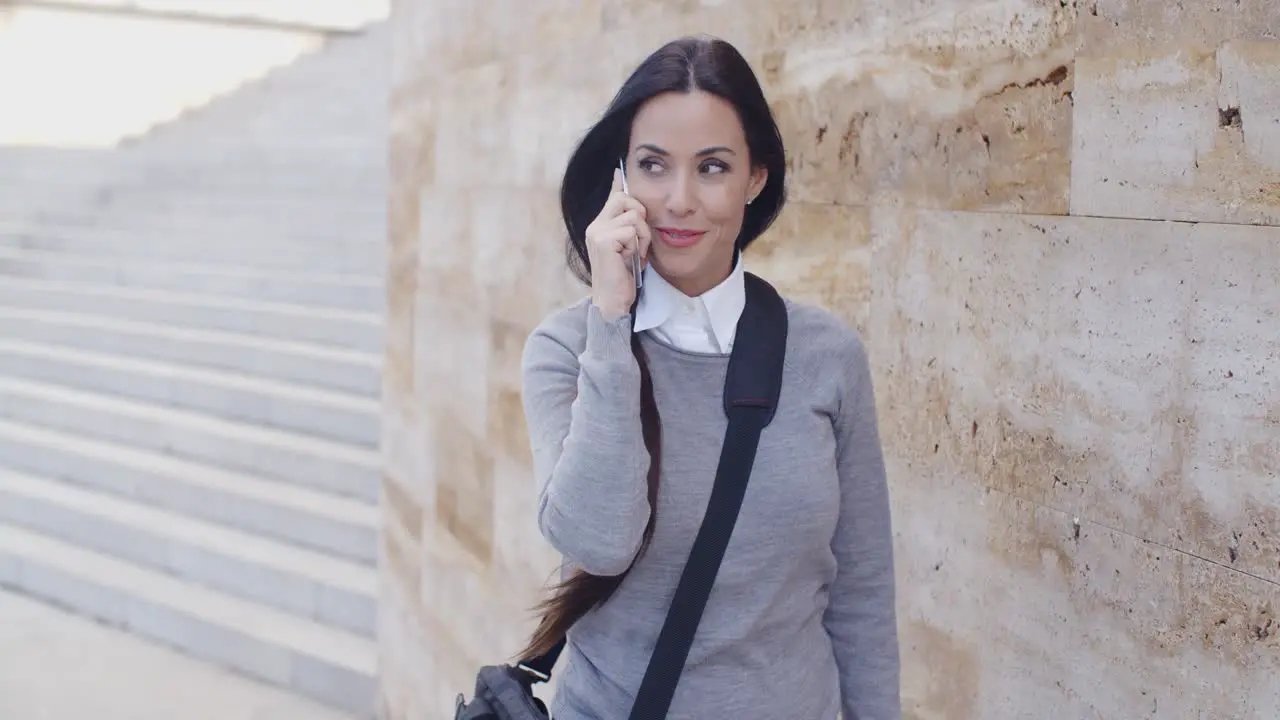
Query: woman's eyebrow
[{"x": 701, "y": 153}]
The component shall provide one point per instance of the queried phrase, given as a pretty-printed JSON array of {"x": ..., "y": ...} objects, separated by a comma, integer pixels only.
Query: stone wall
[{"x": 1055, "y": 224}]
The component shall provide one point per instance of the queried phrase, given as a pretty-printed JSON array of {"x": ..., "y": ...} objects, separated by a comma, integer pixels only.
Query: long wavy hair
[{"x": 684, "y": 65}]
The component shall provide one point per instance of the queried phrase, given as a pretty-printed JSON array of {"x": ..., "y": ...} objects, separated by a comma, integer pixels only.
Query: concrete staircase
[{"x": 190, "y": 355}]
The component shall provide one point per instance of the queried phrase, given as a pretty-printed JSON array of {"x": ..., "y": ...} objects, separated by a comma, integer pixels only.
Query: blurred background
[
  {"x": 267, "y": 268},
  {"x": 192, "y": 253}
]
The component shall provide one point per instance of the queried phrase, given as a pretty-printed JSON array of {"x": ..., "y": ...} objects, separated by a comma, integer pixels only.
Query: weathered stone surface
[
  {"x": 1165, "y": 95},
  {"x": 1084, "y": 453},
  {"x": 1133, "y": 28},
  {"x": 1007, "y": 612},
  {"x": 1032, "y": 370},
  {"x": 960, "y": 108},
  {"x": 1188, "y": 133},
  {"x": 819, "y": 254},
  {"x": 1118, "y": 371}
]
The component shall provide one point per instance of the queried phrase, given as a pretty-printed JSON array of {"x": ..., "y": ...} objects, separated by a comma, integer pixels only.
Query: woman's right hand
[{"x": 617, "y": 232}]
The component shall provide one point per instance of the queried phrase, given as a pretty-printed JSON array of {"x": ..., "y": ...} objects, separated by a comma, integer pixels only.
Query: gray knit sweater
[{"x": 801, "y": 623}]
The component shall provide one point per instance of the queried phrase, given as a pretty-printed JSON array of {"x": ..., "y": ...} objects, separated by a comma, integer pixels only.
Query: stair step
[
  {"x": 282, "y": 230},
  {"x": 336, "y": 416},
  {"x": 324, "y": 326},
  {"x": 302, "y": 582},
  {"x": 361, "y": 293},
  {"x": 343, "y": 527},
  {"x": 321, "y": 248},
  {"x": 369, "y": 206},
  {"x": 330, "y": 665},
  {"x": 327, "y": 367},
  {"x": 303, "y": 460}
]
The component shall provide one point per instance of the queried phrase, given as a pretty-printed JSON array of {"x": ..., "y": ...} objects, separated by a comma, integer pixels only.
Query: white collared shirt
[{"x": 706, "y": 323}]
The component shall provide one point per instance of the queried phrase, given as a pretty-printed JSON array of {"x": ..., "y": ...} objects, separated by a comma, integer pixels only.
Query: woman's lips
[{"x": 676, "y": 237}]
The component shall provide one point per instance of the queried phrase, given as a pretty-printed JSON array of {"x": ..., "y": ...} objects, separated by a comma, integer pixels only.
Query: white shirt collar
[{"x": 660, "y": 303}]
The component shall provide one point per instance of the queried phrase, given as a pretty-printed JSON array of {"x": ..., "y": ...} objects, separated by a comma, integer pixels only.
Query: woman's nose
[{"x": 680, "y": 198}]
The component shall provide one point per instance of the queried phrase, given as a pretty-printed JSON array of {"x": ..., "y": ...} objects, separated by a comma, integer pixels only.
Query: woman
[{"x": 623, "y": 404}]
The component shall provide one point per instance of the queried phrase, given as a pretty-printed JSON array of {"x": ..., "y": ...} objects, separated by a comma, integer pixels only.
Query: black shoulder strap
[
  {"x": 542, "y": 665},
  {"x": 751, "y": 390}
]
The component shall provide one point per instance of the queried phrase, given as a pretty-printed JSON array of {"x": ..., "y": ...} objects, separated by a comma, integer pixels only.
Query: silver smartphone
[{"x": 635, "y": 256}]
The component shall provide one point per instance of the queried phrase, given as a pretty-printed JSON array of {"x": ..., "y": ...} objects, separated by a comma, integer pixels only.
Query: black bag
[{"x": 751, "y": 390}]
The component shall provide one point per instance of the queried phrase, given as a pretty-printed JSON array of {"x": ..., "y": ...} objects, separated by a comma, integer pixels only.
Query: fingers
[
  {"x": 617, "y": 204},
  {"x": 644, "y": 238},
  {"x": 635, "y": 215},
  {"x": 634, "y": 235},
  {"x": 630, "y": 216},
  {"x": 625, "y": 234},
  {"x": 633, "y": 204},
  {"x": 621, "y": 226},
  {"x": 617, "y": 200}
]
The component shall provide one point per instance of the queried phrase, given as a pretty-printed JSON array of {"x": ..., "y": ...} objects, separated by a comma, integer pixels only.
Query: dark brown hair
[{"x": 683, "y": 65}]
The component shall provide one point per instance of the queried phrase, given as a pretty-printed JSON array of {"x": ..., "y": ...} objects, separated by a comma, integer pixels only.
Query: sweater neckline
[{"x": 650, "y": 338}]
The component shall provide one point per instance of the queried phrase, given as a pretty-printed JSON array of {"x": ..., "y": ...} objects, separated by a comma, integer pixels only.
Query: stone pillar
[{"x": 1078, "y": 397}]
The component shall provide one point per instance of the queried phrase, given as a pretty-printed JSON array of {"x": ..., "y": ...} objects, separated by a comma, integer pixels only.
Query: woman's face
[{"x": 689, "y": 165}]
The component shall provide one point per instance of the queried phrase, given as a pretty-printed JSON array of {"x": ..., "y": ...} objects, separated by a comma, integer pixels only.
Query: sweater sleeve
[
  {"x": 583, "y": 416},
  {"x": 860, "y": 616}
]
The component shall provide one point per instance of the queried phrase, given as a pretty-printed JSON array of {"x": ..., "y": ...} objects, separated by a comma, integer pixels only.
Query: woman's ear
[{"x": 759, "y": 176}]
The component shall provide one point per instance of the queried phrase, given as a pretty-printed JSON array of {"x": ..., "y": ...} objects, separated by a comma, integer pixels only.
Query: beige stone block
[
  {"x": 443, "y": 228},
  {"x": 1167, "y": 136},
  {"x": 627, "y": 14},
  {"x": 399, "y": 558},
  {"x": 1112, "y": 370},
  {"x": 452, "y": 353},
  {"x": 1135, "y": 28},
  {"x": 407, "y": 493},
  {"x": 775, "y": 24},
  {"x": 507, "y": 432},
  {"x": 401, "y": 665},
  {"x": 450, "y": 34},
  {"x": 819, "y": 254},
  {"x": 1005, "y": 609},
  {"x": 642, "y": 27},
  {"x": 402, "y": 509},
  {"x": 412, "y": 132},
  {"x": 1249, "y": 97},
  {"x": 554, "y": 99},
  {"x": 463, "y": 474},
  {"x": 398, "y": 359},
  {"x": 962, "y": 108},
  {"x": 516, "y": 240},
  {"x": 403, "y": 215},
  {"x": 524, "y": 563},
  {"x": 472, "y": 122},
  {"x": 447, "y": 622},
  {"x": 1231, "y": 413},
  {"x": 398, "y": 343},
  {"x": 445, "y": 36}
]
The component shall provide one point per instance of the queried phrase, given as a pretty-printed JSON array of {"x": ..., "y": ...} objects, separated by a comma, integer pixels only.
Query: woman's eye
[
  {"x": 649, "y": 166},
  {"x": 714, "y": 167}
]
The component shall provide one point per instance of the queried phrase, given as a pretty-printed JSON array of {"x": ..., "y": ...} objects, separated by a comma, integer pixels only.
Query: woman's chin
[{"x": 675, "y": 267}]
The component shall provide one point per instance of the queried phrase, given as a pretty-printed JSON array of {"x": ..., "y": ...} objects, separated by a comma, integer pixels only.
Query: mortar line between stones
[
  {"x": 1045, "y": 215},
  {"x": 1153, "y": 220},
  {"x": 1211, "y": 561},
  {"x": 1127, "y": 534}
]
